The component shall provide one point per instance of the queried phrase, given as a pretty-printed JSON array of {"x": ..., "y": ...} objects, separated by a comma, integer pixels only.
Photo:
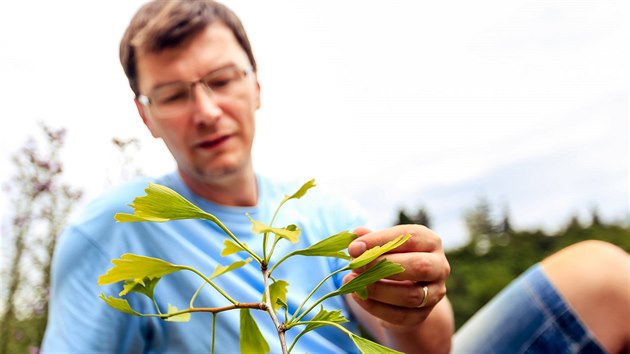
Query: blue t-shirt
[{"x": 80, "y": 322}]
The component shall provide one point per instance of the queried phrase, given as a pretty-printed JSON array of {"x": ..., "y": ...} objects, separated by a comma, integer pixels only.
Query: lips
[{"x": 212, "y": 143}]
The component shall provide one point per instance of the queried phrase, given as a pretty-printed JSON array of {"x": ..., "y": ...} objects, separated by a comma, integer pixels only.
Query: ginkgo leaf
[
  {"x": 302, "y": 191},
  {"x": 124, "y": 217},
  {"x": 281, "y": 304},
  {"x": 330, "y": 246},
  {"x": 383, "y": 269},
  {"x": 278, "y": 294},
  {"x": 144, "y": 286},
  {"x": 368, "y": 347},
  {"x": 323, "y": 315},
  {"x": 375, "y": 252},
  {"x": 119, "y": 304},
  {"x": 161, "y": 204},
  {"x": 220, "y": 269},
  {"x": 291, "y": 232},
  {"x": 183, "y": 317},
  {"x": 230, "y": 248},
  {"x": 133, "y": 266},
  {"x": 252, "y": 340}
]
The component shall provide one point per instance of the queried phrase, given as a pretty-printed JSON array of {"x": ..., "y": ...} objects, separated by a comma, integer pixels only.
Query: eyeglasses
[{"x": 176, "y": 98}]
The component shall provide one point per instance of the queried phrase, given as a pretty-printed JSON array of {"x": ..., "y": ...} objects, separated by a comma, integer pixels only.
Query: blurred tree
[
  {"x": 421, "y": 217},
  {"x": 126, "y": 164},
  {"x": 41, "y": 205},
  {"x": 595, "y": 219},
  {"x": 481, "y": 227}
]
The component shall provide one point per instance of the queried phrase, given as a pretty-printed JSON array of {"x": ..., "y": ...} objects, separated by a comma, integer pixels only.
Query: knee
[
  {"x": 593, "y": 276},
  {"x": 594, "y": 253},
  {"x": 600, "y": 264}
]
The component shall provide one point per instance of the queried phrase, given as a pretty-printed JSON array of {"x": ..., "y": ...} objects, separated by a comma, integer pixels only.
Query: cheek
[{"x": 172, "y": 134}]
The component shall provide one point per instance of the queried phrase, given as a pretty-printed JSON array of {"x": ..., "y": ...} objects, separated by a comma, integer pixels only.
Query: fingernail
[{"x": 357, "y": 248}]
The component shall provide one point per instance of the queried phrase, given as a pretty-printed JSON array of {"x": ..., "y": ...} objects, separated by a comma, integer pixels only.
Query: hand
[{"x": 396, "y": 300}]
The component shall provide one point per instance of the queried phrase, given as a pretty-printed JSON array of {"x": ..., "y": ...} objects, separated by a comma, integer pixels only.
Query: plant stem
[
  {"x": 273, "y": 218},
  {"x": 214, "y": 326},
  {"x": 214, "y": 310},
  {"x": 194, "y": 297},
  {"x": 311, "y": 294},
  {"x": 313, "y": 322},
  {"x": 232, "y": 236},
  {"x": 272, "y": 313},
  {"x": 211, "y": 283}
]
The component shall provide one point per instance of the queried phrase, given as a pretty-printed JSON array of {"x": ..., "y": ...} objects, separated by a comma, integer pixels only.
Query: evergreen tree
[{"x": 421, "y": 217}]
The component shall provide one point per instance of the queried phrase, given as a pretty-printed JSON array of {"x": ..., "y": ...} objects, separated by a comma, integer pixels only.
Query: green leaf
[
  {"x": 119, "y": 304},
  {"x": 383, "y": 269},
  {"x": 230, "y": 248},
  {"x": 375, "y": 252},
  {"x": 161, "y": 204},
  {"x": 323, "y": 315},
  {"x": 220, "y": 269},
  {"x": 362, "y": 293},
  {"x": 281, "y": 304},
  {"x": 302, "y": 191},
  {"x": 144, "y": 286},
  {"x": 132, "y": 266},
  {"x": 278, "y": 293},
  {"x": 330, "y": 246},
  {"x": 184, "y": 317},
  {"x": 291, "y": 232},
  {"x": 252, "y": 340},
  {"x": 369, "y": 347}
]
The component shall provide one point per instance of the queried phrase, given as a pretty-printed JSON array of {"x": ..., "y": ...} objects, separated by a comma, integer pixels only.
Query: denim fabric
[{"x": 529, "y": 316}]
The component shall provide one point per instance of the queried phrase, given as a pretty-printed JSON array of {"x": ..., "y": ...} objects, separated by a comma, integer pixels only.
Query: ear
[
  {"x": 257, "y": 93},
  {"x": 145, "y": 119}
]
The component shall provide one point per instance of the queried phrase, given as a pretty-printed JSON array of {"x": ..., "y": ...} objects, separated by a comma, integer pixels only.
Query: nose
[{"x": 206, "y": 110}]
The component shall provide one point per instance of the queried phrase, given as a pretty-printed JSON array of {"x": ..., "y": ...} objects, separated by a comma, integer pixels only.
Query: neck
[{"x": 233, "y": 190}]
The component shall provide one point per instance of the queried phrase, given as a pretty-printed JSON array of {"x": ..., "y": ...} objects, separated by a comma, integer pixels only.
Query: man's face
[{"x": 213, "y": 138}]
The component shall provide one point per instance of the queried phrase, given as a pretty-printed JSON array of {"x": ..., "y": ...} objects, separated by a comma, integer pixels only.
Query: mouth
[{"x": 212, "y": 143}]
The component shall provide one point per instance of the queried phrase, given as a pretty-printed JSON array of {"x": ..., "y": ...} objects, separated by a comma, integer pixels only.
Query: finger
[
  {"x": 400, "y": 316},
  {"x": 422, "y": 240},
  {"x": 419, "y": 266},
  {"x": 404, "y": 293},
  {"x": 360, "y": 231}
]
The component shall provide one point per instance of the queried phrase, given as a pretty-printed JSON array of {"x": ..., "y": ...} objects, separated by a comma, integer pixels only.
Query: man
[{"x": 192, "y": 70}]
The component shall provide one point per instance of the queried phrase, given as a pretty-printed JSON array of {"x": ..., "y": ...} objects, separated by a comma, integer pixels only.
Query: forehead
[{"x": 213, "y": 48}]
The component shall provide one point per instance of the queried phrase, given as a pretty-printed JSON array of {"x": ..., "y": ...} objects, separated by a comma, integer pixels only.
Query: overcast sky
[{"x": 394, "y": 104}]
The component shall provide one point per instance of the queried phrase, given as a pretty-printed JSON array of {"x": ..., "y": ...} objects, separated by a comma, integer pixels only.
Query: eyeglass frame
[{"x": 146, "y": 101}]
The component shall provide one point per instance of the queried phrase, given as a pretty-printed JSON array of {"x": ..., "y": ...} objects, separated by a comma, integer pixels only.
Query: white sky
[{"x": 395, "y": 104}]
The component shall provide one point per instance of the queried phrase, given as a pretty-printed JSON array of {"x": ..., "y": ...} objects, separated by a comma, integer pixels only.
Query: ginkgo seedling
[{"x": 141, "y": 274}]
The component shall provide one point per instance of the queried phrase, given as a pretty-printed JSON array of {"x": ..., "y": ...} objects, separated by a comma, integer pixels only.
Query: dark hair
[{"x": 163, "y": 24}]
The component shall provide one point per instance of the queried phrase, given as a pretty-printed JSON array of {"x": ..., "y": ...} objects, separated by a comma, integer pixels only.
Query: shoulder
[
  {"x": 111, "y": 201},
  {"x": 93, "y": 228}
]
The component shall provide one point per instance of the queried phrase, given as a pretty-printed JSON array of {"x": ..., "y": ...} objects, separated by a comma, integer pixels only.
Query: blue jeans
[{"x": 529, "y": 316}]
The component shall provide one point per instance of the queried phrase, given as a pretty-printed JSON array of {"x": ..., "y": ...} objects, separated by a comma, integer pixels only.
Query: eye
[
  {"x": 218, "y": 83},
  {"x": 222, "y": 79},
  {"x": 171, "y": 95}
]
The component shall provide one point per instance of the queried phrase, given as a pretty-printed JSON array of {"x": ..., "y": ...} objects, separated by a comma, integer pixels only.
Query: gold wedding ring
[{"x": 425, "y": 299}]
